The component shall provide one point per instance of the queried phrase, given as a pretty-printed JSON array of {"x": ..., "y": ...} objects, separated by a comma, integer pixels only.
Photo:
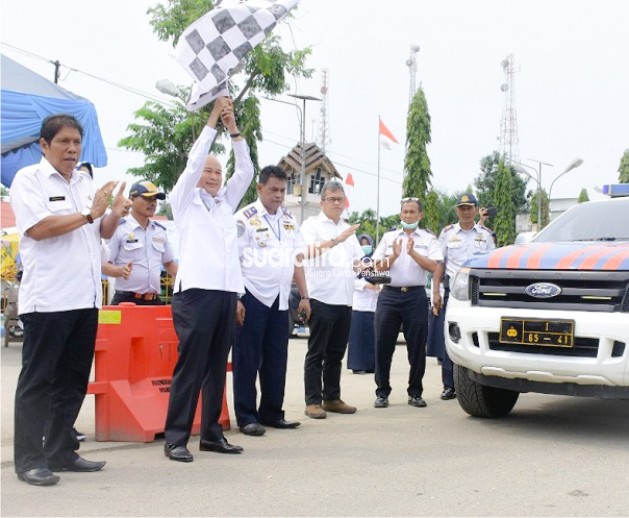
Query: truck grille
[{"x": 606, "y": 291}]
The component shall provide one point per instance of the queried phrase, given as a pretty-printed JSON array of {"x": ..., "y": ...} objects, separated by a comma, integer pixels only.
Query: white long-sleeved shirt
[{"x": 208, "y": 248}]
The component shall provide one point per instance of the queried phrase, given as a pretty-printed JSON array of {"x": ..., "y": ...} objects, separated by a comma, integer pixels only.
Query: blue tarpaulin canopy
[{"x": 27, "y": 99}]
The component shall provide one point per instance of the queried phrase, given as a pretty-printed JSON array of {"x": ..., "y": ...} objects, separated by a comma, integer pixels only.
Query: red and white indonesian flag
[
  {"x": 212, "y": 47},
  {"x": 386, "y": 137},
  {"x": 349, "y": 181}
]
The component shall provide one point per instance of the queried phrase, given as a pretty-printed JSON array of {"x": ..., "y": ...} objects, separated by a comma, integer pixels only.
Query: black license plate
[{"x": 532, "y": 331}]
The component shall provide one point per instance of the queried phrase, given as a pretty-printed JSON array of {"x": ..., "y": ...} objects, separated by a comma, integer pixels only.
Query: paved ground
[{"x": 553, "y": 456}]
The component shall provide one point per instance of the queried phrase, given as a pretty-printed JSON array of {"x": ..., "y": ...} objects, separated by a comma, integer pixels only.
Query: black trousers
[
  {"x": 123, "y": 297},
  {"x": 260, "y": 348},
  {"x": 204, "y": 323},
  {"x": 57, "y": 357},
  {"x": 409, "y": 309},
  {"x": 329, "y": 332}
]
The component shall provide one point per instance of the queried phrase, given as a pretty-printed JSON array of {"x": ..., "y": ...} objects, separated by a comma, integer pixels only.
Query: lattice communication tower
[
  {"x": 509, "y": 140},
  {"x": 411, "y": 63},
  {"x": 324, "y": 127}
]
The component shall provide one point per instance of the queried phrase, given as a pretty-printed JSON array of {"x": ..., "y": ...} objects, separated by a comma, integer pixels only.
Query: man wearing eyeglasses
[
  {"x": 407, "y": 254},
  {"x": 139, "y": 249},
  {"x": 332, "y": 253}
]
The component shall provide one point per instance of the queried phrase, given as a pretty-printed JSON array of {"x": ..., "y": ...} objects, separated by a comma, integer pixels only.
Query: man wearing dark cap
[
  {"x": 139, "y": 249},
  {"x": 458, "y": 242}
]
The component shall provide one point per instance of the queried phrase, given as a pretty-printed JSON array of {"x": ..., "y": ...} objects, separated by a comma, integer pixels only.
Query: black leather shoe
[
  {"x": 39, "y": 477},
  {"x": 381, "y": 402},
  {"x": 178, "y": 453},
  {"x": 417, "y": 401},
  {"x": 221, "y": 446},
  {"x": 282, "y": 424},
  {"x": 448, "y": 393},
  {"x": 255, "y": 429},
  {"x": 79, "y": 465}
]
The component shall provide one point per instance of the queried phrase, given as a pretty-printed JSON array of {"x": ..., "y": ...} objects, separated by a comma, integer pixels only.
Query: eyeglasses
[
  {"x": 340, "y": 199},
  {"x": 404, "y": 200}
]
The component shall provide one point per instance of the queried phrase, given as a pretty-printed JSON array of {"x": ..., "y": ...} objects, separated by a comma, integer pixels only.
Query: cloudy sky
[{"x": 571, "y": 81}]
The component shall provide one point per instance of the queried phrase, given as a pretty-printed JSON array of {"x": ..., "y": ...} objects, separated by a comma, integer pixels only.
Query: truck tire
[{"x": 480, "y": 400}]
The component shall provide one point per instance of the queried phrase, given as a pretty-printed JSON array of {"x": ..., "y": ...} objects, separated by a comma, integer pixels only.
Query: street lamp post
[
  {"x": 539, "y": 189},
  {"x": 538, "y": 179},
  {"x": 573, "y": 165},
  {"x": 304, "y": 191}
]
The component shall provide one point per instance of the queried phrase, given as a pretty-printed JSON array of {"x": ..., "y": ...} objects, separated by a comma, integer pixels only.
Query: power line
[{"x": 115, "y": 84}]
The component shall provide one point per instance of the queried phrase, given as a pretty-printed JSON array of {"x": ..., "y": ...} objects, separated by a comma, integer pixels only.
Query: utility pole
[{"x": 57, "y": 67}]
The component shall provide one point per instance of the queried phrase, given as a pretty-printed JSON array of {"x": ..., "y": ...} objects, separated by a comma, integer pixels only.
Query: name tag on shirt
[{"x": 57, "y": 198}]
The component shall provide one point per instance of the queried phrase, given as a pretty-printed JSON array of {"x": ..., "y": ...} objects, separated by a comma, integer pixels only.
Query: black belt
[
  {"x": 143, "y": 296},
  {"x": 403, "y": 289}
]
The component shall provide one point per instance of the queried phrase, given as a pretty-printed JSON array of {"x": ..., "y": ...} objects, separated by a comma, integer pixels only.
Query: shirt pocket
[
  {"x": 159, "y": 245},
  {"x": 59, "y": 204},
  {"x": 132, "y": 246}
]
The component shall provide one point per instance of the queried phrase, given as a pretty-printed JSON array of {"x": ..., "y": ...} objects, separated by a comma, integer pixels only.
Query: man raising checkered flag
[{"x": 213, "y": 46}]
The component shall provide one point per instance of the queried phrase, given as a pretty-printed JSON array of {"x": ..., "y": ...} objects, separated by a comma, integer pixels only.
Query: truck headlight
[{"x": 460, "y": 288}]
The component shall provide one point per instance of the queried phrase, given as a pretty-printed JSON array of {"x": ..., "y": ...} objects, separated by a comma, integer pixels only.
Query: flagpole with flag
[{"x": 383, "y": 131}]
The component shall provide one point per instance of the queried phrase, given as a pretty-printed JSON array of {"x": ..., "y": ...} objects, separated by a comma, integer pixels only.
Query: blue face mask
[
  {"x": 409, "y": 226},
  {"x": 367, "y": 249}
]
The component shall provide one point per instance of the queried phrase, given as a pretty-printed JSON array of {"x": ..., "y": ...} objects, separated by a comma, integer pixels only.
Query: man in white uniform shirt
[
  {"x": 333, "y": 256},
  {"x": 141, "y": 244},
  {"x": 270, "y": 245},
  {"x": 61, "y": 218},
  {"x": 208, "y": 279},
  {"x": 407, "y": 254},
  {"x": 458, "y": 243}
]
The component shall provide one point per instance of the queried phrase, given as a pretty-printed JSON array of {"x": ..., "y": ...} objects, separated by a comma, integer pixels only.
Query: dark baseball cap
[
  {"x": 146, "y": 189},
  {"x": 467, "y": 199}
]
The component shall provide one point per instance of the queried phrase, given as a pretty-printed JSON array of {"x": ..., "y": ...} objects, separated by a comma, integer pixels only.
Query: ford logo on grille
[{"x": 542, "y": 290}]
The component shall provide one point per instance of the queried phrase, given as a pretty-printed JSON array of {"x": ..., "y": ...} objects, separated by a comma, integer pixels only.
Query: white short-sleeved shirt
[
  {"x": 147, "y": 249},
  {"x": 330, "y": 275},
  {"x": 405, "y": 271},
  {"x": 61, "y": 273},
  {"x": 365, "y": 299},
  {"x": 208, "y": 248},
  {"x": 268, "y": 246},
  {"x": 458, "y": 245}
]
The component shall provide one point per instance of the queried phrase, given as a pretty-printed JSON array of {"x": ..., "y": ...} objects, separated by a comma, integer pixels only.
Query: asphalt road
[{"x": 553, "y": 456}]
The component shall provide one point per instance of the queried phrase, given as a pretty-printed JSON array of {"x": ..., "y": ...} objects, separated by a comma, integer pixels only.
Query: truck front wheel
[{"x": 480, "y": 400}]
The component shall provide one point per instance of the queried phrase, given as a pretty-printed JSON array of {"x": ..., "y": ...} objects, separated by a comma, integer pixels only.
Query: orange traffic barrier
[{"x": 136, "y": 352}]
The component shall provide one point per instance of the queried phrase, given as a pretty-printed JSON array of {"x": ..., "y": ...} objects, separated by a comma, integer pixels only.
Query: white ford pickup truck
[{"x": 549, "y": 316}]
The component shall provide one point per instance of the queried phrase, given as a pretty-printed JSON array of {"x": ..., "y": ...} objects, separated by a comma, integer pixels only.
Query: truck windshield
[{"x": 598, "y": 221}]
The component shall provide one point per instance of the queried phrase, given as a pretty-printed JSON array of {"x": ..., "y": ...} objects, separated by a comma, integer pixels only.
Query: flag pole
[{"x": 378, "y": 191}]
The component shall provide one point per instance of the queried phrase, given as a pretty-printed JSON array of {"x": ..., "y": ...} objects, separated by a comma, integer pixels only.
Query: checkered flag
[{"x": 214, "y": 45}]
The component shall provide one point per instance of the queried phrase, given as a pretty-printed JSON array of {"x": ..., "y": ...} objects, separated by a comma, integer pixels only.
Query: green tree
[
  {"x": 545, "y": 209},
  {"x": 486, "y": 182},
  {"x": 623, "y": 168},
  {"x": 583, "y": 196},
  {"x": 165, "y": 133},
  {"x": 417, "y": 171},
  {"x": 504, "y": 224}
]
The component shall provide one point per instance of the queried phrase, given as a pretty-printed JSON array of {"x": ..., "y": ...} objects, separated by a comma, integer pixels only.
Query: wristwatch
[{"x": 87, "y": 214}]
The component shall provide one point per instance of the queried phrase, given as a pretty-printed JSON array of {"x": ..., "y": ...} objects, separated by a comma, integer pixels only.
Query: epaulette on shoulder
[
  {"x": 485, "y": 228},
  {"x": 121, "y": 221},
  {"x": 160, "y": 225},
  {"x": 448, "y": 227},
  {"x": 287, "y": 212},
  {"x": 250, "y": 212}
]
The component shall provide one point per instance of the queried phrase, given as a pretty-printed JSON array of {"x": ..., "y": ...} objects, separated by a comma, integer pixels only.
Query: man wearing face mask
[{"x": 406, "y": 254}]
